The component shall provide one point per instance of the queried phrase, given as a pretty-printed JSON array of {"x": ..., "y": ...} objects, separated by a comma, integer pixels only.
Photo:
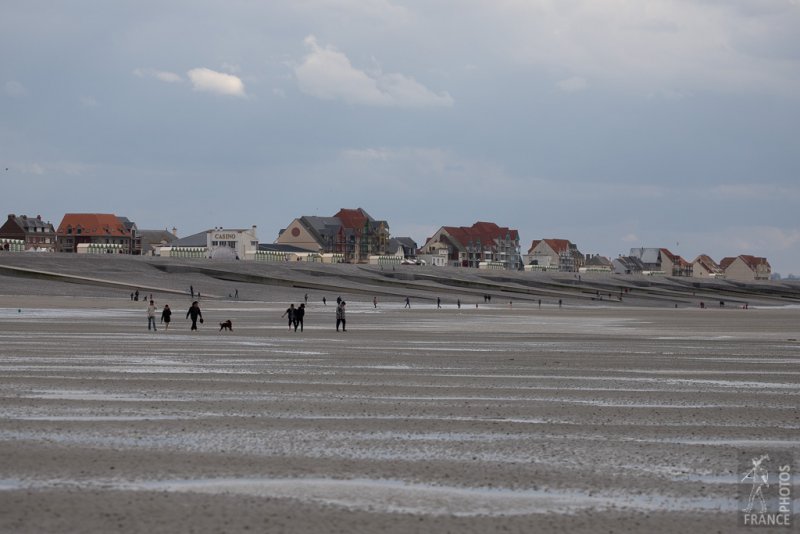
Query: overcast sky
[{"x": 612, "y": 123}]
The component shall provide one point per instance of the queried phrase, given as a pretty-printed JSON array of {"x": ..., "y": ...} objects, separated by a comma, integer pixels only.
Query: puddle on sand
[{"x": 398, "y": 496}]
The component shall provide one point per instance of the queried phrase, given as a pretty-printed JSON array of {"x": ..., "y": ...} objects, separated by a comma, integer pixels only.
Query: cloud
[
  {"x": 327, "y": 74},
  {"x": 164, "y": 76},
  {"x": 204, "y": 79},
  {"x": 15, "y": 89},
  {"x": 572, "y": 85}
]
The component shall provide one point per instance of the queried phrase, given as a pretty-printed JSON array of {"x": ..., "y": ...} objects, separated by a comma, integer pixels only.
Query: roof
[
  {"x": 630, "y": 263},
  {"x": 598, "y": 261},
  {"x": 94, "y": 224},
  {"x": 396, "y": 242},
  {"x": 199, "y": 239},
  {"x": 647, "y": 255},
  {"x": 350, "y": 218},
  {"x": 483, "y": 232},
  {"x": 30, "y": 223},
  {"x": 156, "y": 237},
  {"x": 558, "y": 245},
  {"x": 752, "y": 262},
  {"x": 707, "y": 263}
]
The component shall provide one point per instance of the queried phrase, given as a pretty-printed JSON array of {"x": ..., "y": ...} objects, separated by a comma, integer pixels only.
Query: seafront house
[
  {"x": 705, "y": 267},
  {"x": 595, "y": 263},
  {"x": 662, "y": 261},
  {"x": 96, "y": 232},
  {"x": 152, "y": 241},
  {"x": 29, "y": 233},
  {"x": 217, "y": 243},
  {"x": 627, "y": 265},
  {"x": 351, "y": 234},
  {"x": 554, "y": 255},
  {"x": 746, "y": 267},
  {"x": 482, "y": 245}
]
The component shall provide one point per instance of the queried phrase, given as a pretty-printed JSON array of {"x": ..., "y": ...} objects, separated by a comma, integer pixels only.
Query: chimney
[
  {"x": 174, "y": 231},
  {"x": 11, "y": 216},
  {"x": 38, "y": 217}
]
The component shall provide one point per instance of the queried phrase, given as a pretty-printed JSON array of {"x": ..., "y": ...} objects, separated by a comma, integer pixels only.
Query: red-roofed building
[
  {"x": 746, "y": 267},
  {"x": 705, "y": 267},
  {"x": 353, "y": 233},
  {"x": 555, "y": 254},
  {"x": 469, "y": 246},
  {"x": 674, "y": 265},
  {"x": 97, "y": 229}
]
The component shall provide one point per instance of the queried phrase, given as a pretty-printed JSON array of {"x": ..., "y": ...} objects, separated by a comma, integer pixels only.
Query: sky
[{"x": 612, "y": 123}]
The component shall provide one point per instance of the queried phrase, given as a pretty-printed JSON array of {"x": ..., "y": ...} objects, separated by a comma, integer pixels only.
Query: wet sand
[{"x": 496, "y": 418}]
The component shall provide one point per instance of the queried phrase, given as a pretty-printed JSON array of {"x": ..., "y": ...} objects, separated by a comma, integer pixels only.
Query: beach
[{"x": 510, "y": 415}]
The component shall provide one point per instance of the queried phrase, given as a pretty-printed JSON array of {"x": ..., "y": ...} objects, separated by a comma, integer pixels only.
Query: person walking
[
  {"x": 299, "y": 313},
  {"x": 375, "y": 301},
  {"x": 166, "y": 316},
  {"x": 408, "y": 303},
  {"x": 195, "y": 313},
  {"x": 438, "y": 302},
  {"x": 236, "y": 294},
  {"x": 151, "y": 316},
  {"x": 324, "y": 301},
  {"x": 136, "y": 295},
  {"x": 290, "y": 313},
  {"x": 191, "y": 290},
  {"x": 340, "y": 317},
  {"x": 458, "y": 303},
  {"x": 305, "y": 298}
]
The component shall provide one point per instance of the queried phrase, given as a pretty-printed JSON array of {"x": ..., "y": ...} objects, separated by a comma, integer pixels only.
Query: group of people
[
  {"x": 295, "y": 316},
  {"x": 166, "y": 315}
]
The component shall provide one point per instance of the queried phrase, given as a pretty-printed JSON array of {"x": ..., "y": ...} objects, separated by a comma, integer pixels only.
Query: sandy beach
[{"x": 595, "y": 416}]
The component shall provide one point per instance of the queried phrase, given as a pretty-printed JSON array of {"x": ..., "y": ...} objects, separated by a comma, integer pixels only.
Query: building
[
  {"x": 628, "y": 265},
  {"x": 595, "y": 263},
  {"x": 97, "y": 229},
  {"x": 403, "y": 247},
  {"x": 674, "y": 265},
  {"x": 555, "y": 254},
  {"x": 351, "y": 233},
  {"x": 152, "y": 241},
  {"x": 705, "y": 267},
  {"x": 662, "y": 261},
  {"x": 232, "y": 244},
  {"x": 32, "y": 231},
  {"x": 746, "y": 267},
  {"x": 469, "y": 246},
  {"x": 192, "y": 246}
]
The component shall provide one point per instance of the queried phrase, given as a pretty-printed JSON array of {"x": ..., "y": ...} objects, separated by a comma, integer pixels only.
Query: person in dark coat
[
  {"x": 166, "y": 316},
  {"x": 299, "y": 313},
  {"x": 340, "y": 317},
  {"x": 194, "y": 313},
  {"x": 290, "y": 313}
]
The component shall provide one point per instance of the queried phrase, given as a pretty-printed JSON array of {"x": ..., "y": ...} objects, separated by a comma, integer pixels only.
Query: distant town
[{"x": 353, "y": 236}]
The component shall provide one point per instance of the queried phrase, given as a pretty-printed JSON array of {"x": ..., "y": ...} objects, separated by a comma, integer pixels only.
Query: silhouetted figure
[
  {"x": 299, "y": 313},
  {"x": 166, "y": 316},
  {"x": 408, "y": 303},
  {"x": 290, "y": 313},
  {"x": 340, "y": 317},
  {"x": 195, "y": 314}
]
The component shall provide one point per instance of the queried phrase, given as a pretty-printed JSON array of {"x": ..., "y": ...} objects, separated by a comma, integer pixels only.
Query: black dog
[{"x": 226, "y": 325}]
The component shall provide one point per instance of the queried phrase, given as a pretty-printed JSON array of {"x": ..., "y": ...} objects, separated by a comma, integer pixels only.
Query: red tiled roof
[
  {"x": 353, "y": 219},
  {"x": 752, "y": 262},
  {"x": 672, "y": 257},
  {"x": 485, "y": 232},
  {"x": 93, "y": 224},
  {"x": 708, "y": 264},
  {"x": 558, "y": 245}
]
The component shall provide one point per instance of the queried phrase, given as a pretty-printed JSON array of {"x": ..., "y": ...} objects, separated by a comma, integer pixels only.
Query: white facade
[{"x": 225, "y": 243}]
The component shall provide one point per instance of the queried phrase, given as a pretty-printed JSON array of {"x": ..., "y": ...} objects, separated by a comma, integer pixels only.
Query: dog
[{"x": 226, "y": 325}]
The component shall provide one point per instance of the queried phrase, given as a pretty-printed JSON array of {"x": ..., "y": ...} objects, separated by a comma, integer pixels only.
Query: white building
[{"x": 225, "y": 243}]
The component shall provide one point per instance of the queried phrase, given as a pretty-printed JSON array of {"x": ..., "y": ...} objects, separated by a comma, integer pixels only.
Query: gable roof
[
  {"x": 708, "y": 263},
  {"x": 199, "y": 239},
  {"x": 30, "y": 224},
  {"x": 557, "y": 245},
  {"x": 94, "y": 224},
  {"x": 483, "y": 232},
  {"x": 752, "y": 262}
]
